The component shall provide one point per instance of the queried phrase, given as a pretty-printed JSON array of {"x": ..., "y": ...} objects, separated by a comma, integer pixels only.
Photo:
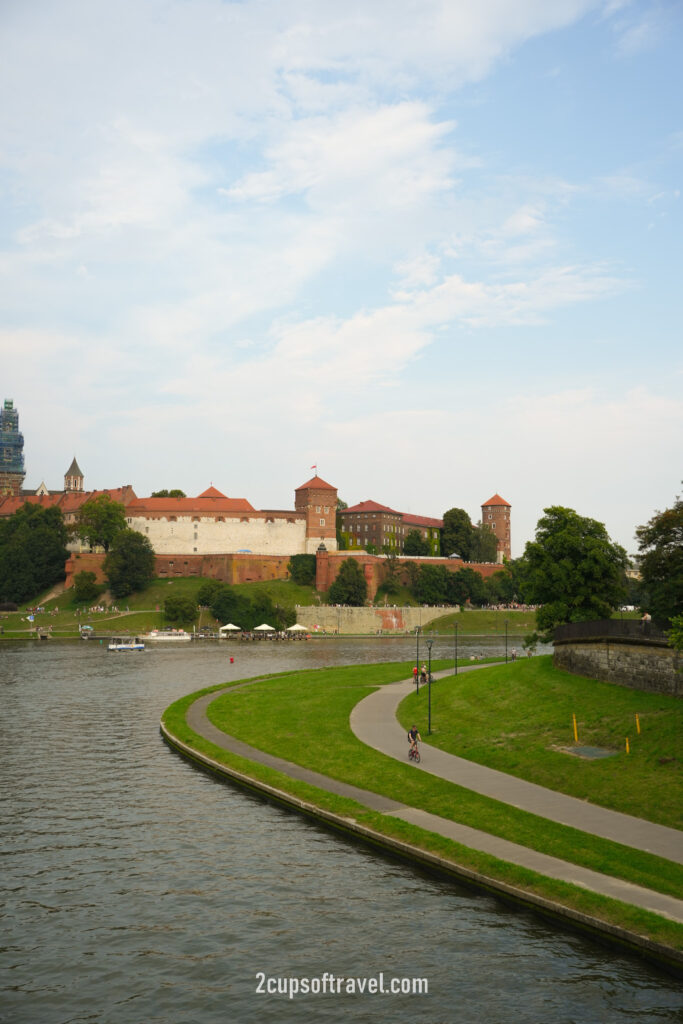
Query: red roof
[
  {"x": 410, "y": 520},
  {"x": 496, "y": 500},
  {"x": 189, "y": 506},
  {"x": 370, "y": 506},
  {"x": 318, "y": 484},
  {"x": 211, "y": 492},
  {"x": 67, "y": 501}
]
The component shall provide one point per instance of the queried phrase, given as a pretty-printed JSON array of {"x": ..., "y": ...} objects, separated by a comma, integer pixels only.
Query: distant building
[
  {"x": 368, "y": 522},
  {"x": 11, "y": 451},
  {"x": 495, "y": 513}
]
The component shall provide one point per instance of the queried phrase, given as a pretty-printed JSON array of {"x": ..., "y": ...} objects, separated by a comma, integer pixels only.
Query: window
[
  {"x": 317, "y": 508},
  {"x": 322, "y": 522}
]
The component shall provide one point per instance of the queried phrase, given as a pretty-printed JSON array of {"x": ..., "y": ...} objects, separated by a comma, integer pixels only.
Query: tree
[
  {"x": 415, "y": 544},
  {"x": 484, "y": 547},
  {"x": 32, "y": 552},
  {"x": 180, "y": 608},
  {"x": 466, "y": 585},
  {"x": 432, "y": 584},
  {"x": 572, "y": 569},
  {"x": 208, "y": 591},
  {"x": 175, "y": 493},
  {"x": 350, "y": 586},
  {"x": 456, "y": 535},
  {"x": 99, "y": 520},
  {"x": 661, "y": 563},
  {"x": 129, "y": 565},
  {"x": 85, "y": 586},
  {"x": 301, "y": 568}
]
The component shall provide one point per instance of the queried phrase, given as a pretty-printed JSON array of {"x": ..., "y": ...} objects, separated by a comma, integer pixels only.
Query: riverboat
[
  {"x": 174, "y": 635},
  {"x": 125, "y": 643}
]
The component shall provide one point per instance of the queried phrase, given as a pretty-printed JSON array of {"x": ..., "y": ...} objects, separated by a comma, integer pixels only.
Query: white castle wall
[{"x": 262, "y": 535}]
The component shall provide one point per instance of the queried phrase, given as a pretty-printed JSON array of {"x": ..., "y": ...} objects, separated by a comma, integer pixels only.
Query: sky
[{"x": 431, "y": 248}]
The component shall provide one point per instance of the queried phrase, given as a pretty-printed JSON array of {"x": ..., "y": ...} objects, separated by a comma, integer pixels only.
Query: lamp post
[
  {"x": 455, "y": 652},
  {"x": 417, "y": 658},
  {"x": 429, "y": 688},
  {"x": 506, "y": 641}
]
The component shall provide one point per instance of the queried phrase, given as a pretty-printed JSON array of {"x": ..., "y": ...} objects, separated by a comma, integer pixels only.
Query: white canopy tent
[
  {"x": 229, "y": 628},
  {"x": 264, "y": 627},
  {"x": 296, "y": 628}
]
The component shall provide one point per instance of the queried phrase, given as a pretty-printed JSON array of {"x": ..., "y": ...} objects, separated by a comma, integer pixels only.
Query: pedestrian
[{"x": 423, "y": 674}]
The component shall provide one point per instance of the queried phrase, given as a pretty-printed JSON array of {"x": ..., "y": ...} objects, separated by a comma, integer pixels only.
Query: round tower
[{"x": 495, "y": 513}]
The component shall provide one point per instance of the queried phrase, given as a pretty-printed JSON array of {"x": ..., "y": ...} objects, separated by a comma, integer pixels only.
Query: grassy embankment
[
  {"x": 277, "y": 713},
  {"x": 141, "y": 611}
]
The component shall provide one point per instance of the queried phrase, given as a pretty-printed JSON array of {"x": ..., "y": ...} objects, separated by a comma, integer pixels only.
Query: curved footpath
[{"x": 374, "y": 722}]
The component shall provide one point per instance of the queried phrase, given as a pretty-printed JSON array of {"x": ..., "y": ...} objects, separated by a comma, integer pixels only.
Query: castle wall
[
  {"x": 642, "y": 666},
  {"x": 328, "y": 564},
  {"x": 263, "y": 534}
]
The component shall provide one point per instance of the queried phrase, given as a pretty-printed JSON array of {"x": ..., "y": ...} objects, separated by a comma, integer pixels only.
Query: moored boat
[
  {"x": 125, "y": 643},
  {"x": 167, "y": 634}
]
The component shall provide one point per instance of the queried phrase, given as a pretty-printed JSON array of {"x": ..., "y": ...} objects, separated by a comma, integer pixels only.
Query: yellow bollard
[
  {"x": 627, "y": 747},
  {"x": 638, "y": 724},
  {"x": 576, "y": 734}
]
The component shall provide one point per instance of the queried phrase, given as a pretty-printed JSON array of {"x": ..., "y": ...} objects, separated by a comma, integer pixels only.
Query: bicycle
[{"x": 414, "y": 754}]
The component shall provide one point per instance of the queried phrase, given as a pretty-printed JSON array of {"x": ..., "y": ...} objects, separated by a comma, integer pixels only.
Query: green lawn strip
[
  {"x": 514, "y": 717},
  {"x": 478, "y": 621},
  {"x": 643, "y": 923},
  {"x": 304, "y": 717}
]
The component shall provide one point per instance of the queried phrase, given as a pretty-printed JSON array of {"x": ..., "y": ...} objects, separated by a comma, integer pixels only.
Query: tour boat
[
  {"x": 125, "y": 643},
  {"x": 167, "y": 634}
]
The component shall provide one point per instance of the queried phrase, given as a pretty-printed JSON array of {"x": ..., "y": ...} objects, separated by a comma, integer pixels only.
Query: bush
[
  {"x": 85, "y": 586},
  {"x": 178, "y": 608},
  {"x": 302, "y": 569}
]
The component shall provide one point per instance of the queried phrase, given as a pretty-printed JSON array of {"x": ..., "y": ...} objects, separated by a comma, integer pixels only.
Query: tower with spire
[
  {"x": 12, "y": 471},
  {"x": 73, "y": 478}
]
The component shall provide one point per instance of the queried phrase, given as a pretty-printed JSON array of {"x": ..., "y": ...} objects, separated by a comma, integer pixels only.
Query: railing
[{"x": 634, "y": 629}]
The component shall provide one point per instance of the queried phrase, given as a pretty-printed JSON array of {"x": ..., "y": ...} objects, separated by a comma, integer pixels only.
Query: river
[{"x": 138, "y": 890}]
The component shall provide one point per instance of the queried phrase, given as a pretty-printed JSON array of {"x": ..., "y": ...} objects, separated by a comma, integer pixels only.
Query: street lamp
[
  {"x": 417, "y": 657},
  {"x": 455, "y": 653},
  {"x": 429, "y": 690},
  {"x": 506, "y": 641}
]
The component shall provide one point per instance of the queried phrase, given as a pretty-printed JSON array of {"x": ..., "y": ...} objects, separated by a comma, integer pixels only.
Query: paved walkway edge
[{"x": 671, "y": 960}]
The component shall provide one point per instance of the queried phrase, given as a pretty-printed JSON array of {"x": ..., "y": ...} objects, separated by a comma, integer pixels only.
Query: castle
[{"x": 185, "y": 532}]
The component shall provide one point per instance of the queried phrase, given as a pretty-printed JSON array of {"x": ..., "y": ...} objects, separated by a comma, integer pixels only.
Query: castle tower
[
  {"x": 317, "y": 500},
  {"x": 11, "y": 451},
  {"x": 495, "y": 513},
  {"x": 73, "y": 478}
]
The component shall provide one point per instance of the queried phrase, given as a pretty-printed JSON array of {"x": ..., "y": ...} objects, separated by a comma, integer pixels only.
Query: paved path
[
  {"x": 374, "y": 722},
  {"x": 367, "y": 721}
]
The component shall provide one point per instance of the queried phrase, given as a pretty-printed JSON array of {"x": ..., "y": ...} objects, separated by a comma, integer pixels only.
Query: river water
[{"x": 138, "y": 890}]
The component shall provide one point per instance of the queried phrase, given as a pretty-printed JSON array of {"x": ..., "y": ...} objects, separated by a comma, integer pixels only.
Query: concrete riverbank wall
[{"x": 340, "y": 619}]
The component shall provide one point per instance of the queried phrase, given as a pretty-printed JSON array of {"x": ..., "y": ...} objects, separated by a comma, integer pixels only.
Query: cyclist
[{"x": 414, "y": 737}]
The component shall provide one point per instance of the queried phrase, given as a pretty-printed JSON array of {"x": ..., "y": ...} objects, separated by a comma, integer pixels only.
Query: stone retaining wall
[
  {"x": 343, "y": 619},
  {"x": 641, "y": 666}
]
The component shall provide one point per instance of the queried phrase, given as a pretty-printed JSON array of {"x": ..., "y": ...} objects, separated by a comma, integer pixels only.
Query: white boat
[
  {"x": 174, "y": 635},
  {"x": 125, "y": 643}
]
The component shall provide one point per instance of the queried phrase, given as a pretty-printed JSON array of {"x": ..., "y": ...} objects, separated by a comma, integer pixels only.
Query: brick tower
[
  {"x": 11, "y": 451},
  {"x": 73, "y": 478},
  {"x": 317, "y": 500},
  {"x": 495, "y": 513}
]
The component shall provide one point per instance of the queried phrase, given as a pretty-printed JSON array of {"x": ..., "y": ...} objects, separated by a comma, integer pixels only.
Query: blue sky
[{"x": 432, "y": 247}]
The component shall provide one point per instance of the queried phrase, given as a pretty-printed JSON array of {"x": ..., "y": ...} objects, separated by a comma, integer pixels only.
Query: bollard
[
  {"x": 638, "y": 723},
  {"x": 576, "y": 733},
  {"x": 627, "y": 746}
]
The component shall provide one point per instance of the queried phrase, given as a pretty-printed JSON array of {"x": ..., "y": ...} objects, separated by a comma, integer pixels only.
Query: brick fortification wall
[
  {"x": 328, "y": 564},
  {"x": 641, "y": 666},
  {"x": 226, "y": 568}
]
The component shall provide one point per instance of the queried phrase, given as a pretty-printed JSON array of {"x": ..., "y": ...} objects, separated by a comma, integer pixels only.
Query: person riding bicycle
[{"x": 414, "y": 737}]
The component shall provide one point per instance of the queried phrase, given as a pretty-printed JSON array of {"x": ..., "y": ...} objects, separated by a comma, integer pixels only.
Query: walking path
[{"x": 373, "y": 721}]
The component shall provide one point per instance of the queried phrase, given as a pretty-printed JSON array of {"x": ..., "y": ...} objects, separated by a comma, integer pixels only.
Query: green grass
[
  {"x": 484, "y": 621},
  {"x": 145, "y": 607},
  {"x": 304, "y": 717},
  {"x": 515, "y": 718}
]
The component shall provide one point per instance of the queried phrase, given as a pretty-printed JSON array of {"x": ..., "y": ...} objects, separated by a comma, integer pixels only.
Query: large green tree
[
  {"x": 175, "y": 492},
  {"x": 660, "y": 543},
  {"x": 415, "y": 544},
  {"x": 572, "y": 569},
  {"x": 99, "y": 520},
  {"x": 129, "y": 564},
  {"x": 456, "y": 534},
  {"x": 484, "y": 546},
  {"x": 301, "y": 568},
  {"x": 350, "y": 586},
  {"x": 180, "y": 608},
  {"x": 32, "y": 552}
]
